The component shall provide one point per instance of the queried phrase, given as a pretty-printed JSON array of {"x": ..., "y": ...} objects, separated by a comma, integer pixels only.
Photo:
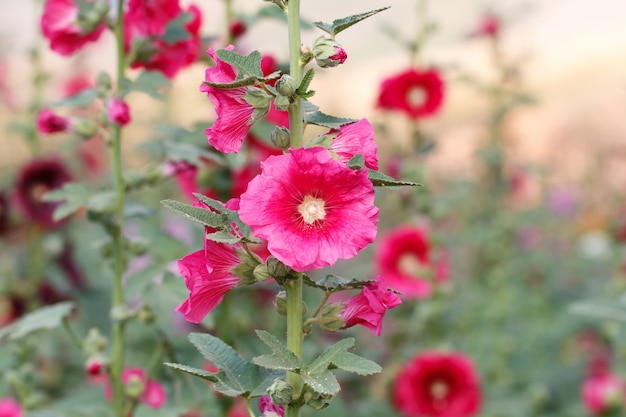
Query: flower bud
[
  {"x": 86, "y": 129},
  {"x": 286, "y": 85},
  {"x": 257, "y": 98},
  {"x": 277, "y": 269},
  {"x": 328, "y": 52},
  {"x": 103, "y": 83},
  {"x": 330, "y": 320},
  {"x": 281, "y": 103},
  {"x": 261, "y": 273},
  {"x": 281, "y": 391},
  {"x": 319, "y": 401},
  {"x": 97, "y": 365},
  {"x": 134, "y": 386},
  {"x": 281, "y": 137},
  {"x": 95, "y": 342},
  {"x": 237, "y": 28},
  {"x": 146, "y": 315},
  {"x": 280, "y": 303}
]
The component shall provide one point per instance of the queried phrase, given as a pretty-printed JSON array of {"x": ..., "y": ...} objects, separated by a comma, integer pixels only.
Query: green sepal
[
  {"x": 281, "y": 358},
  {"x": 45, "y": 318},
  {"x": 340, "y": 25}
]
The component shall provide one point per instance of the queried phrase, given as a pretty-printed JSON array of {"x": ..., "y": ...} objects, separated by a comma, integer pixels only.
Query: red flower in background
[
  {"x": 10, "y": 408},
  {"x": 602, "y": 393},
  {"x": 49, "y": 122},
  {"x": 151, "y": 16},
  {"x": 403, "y": 257},
  {"x": 66, "y": 29},
  {"x": 438, "y": 384},
  {"x": 34, "y": 180},
  {"x": 136, "y": 382},
  {"x": 417, "y": 93},
  {"x": 119, "y": 112},
  {"x": 489, "y": 26}
]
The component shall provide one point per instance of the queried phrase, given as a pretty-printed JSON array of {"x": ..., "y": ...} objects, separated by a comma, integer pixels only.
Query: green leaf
[
  {"x": 281, "y": 357},
  {"x": 237, "y": 376},
  {"x": 193, "y": 371},
  {"x": 303, "y": 88},
  {"x": 240, "y": 228},
  {"x": 45, "y": 318},
  {"x": 356, "y": 364},
  {"x": 340, "y": 25},
  {"x": 607, "y": 310},
  {"x": 323, "y": 382},
  {"x": 102, "y": 202},
  {"x": 326, "y": 358},
  {"x": 82, "y": 99},
  {"x": 149, "y": 82},
  {"x": 381, "y": 180},
  {"x": 223, "y": 236},
  {"x": 313, "y": 116},
  {"x": 197, "y": 214},
  {"x": 249, "y": 65},
  {"x": 356, "y": 162},
  {"x": 74, "y": 196},
  {"x": 176, "y": 31},
  {"x": 334, "y": 283}
]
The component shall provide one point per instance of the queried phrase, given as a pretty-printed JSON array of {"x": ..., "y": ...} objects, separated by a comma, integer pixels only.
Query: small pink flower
[
  {"x": 268, "y": 409},
  {"x": 369, "y": 306},
  {"x": 403, "y": 257},
  {"x": 438, "y": 384},
  {"x": 356, "y": 138},
  {"x": 49, "y": 122},
  {"x": 207, "y": 278},
  {"x": 489, "y": 26},
  {"x": 234, "y": 114},
  {"x": 311, "y": 208},
  {"x": 237, "y": 28},
  {"x": 119, "y": 111},
  {"x": 418, "y": 93},
  {"x": 138, "y": 385},
  {"x": 10, "y": 408},
  {"x": 602, "y": 393},
  {"x": 66, "y": 30},
  {"x": 340, "y": 56}
]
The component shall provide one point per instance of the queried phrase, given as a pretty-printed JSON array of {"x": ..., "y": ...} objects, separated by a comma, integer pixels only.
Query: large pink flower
[
  {"x": 369, "y": 306},
  {"x": 311, "y": 208},
  {"x": 62, "y": 25},
  {"x": 150, "y": 392},
  {"x": 356, "y": 138},
  {"x": 403, "y": 256},
  {"x": 10, "y": 408},
  {"x": 207, "y": 278},
  {"x": 438, "y": 384},
  {"x": 602, "y": 393},
  {"x": 415, "y": 92},
  {"x": 234, "y": 114}
]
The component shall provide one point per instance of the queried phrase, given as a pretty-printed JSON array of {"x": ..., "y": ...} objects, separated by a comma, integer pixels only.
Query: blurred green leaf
[
  {"x": 340, "y": 25},
  {"x": 45, "y": 318}
]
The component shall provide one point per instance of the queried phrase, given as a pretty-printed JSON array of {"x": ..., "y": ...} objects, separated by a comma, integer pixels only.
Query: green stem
[
  {"x": 249, "y": 408},
  {"x": 117, "y": 355},
  {"x": 295, "y": 312},
  {"x": 228, "y": 5},
  {"x": 72, "y": 334},
  {"x": 295, "y": 70}
]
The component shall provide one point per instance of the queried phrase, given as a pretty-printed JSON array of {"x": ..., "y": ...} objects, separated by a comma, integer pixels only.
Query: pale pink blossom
[{"x": 311, "y": 208}]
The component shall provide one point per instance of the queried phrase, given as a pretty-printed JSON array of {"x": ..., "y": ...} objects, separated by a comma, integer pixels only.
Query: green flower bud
[
  {"x": 135, "y": 386},
  {"x": 319, "y": 401},
  {"x": 280, "y": 303},
  {"x": 104, "y": 81},
  {"x": 281, "y": 103},
  {"x": 86, "y": 129},
  {"x": 257, "y": 98},
  {"x": 330, "y": 320},
  {"x": 261, "y": 273},
  {"x": 146, "y": 315},
  {"x": 281, "y": 138},
  {"x": 94, "y": 342},
  {"x": 281, "y": 391},
  {"x": 328, "y": 52},
  {"x": 286, "y": 86},
  {"x": 277, "y": 269}
]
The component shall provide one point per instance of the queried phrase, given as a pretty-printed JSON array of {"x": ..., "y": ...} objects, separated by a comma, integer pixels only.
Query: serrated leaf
[
  {"x": 340, "y": 25},
  {"x": 323, "y": 382},
  {"x": 209, "y": 376},
  {"x": 246, "y": 64},
  {"x": 356, "y": 162},
  {"x": 45, "y": 318},
  {"x": 197, "y": 214},
  {"x": 237, "y": 376},
  {"x": 102, "y": 202},
  {"x": 303, "y": 88},
  {"x": 281, "y": 357},
  {"x": 334, "y": 283},
  {"x": 240, "y": 228},
  {"x": 379, "y": 179},
  {"x": 223, "y": 236},
  {"x": 356, "y": 364},
  {"x": 73, "y": 197},
  {"x": 149, "y": 82},
  {"x": 326, "y": 358},
  {"x": 321, "y": 119},
  {"x": 82, "y": 99}
]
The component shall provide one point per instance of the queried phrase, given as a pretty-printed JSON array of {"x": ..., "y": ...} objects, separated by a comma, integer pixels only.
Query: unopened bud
[
  {"x": 135, "y": 386},
  {"x": 328, "y": 52},
  {"x": 281, "y": 103},
  {"x": 330, "y": 320},
  {"x": 146, "y": 315},
  {"x": 286, "y": 85},
  {"x": 280, "y": 303},
  {"x": 281, "y": 391},
  {"x": 95, "y": 342},
  {"x": 261, "y": 273},
  {"x": 97, "y": 365},
  {"x": 319, "y": 401},
  {"x": 277, "y": 269},
  {"x": 281, "y": 137},
  {"x": 237, "y": 28},
  {"x": 86, "y": 129}
]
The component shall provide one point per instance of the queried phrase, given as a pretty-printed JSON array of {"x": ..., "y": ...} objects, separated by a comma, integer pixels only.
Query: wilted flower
[
  {"x": 118, "y": 111},
  {"x": 403, "y": 256},
  {"x": 34, "y": 180},
  {"x": 438, "y": 384},
  {"x": 49, "y": 122},
  {"x": 369, "y": 306},
  {"x": 417, "y": 93},
  {"x": 67, "y": 29},
  {"x": 356, "y": 138},
  {"x": 10, "y": 408},
  {"x": 138, "y": 385},
  {"x": 307, "y": 200}
]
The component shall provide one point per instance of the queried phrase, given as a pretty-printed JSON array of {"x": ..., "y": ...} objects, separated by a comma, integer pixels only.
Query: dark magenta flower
[
  {"x": 119, "y": 112},
  {"x": 49, "y": 122}
]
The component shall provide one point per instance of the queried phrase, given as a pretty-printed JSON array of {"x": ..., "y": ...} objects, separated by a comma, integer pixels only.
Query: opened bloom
[
  {"x": 403, "y": 256},
  {"x": 602, "y": 393},
  {"x": 311, "y": 208},
  {"x": 207, "y": 278},
  {"x": 138, "y": 385},
  {"x": 67, "y": 29},
  {"x": 356, "y": 138},
  {"x": 438, "y": 384},
  {"x": 10, "y": 408},
  {"x": 417, "y": 93},
  {"x": 369, "y": 306}
]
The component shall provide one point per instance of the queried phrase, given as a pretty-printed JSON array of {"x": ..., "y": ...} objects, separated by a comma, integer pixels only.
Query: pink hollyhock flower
[
  {"x": 356, "y": 138},
  {"x": 238, "y": 409},
  {"x": 33, "y": 181},
  {"x": 603, "y": 393},
  {"x": 207, "y": 278},
  {"x": 237, "y": 28},
  {"x": 415, "y": 92},
  {"x": 152, "y": 16},
  {"x": 489, "y": 26},
  {"x": 438, "y": 384},
  {"x": 118, "y": 111},
  {"x": 369, "y": 306},
  {"x": 66, "y": 29},
  {"x": 234, "y": 114},
  {"x": 49, "y": 122},
  {"x": 77, "y": 84},
  {"x": 268, "y": 409},
  {"x": 311, "y": 209},
  {"x": 403, "y": 257},
  {"x": 10, "y": 408},
  {"x": 138, "y": 385}
]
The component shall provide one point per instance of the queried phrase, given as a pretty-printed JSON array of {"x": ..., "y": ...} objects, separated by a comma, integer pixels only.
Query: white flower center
[
  {"x": 409, "y": 264},
  {"x": 312, "y": 209},
  {"x": 416, "y": 96},
  {"x": 439, "y": 390}
]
